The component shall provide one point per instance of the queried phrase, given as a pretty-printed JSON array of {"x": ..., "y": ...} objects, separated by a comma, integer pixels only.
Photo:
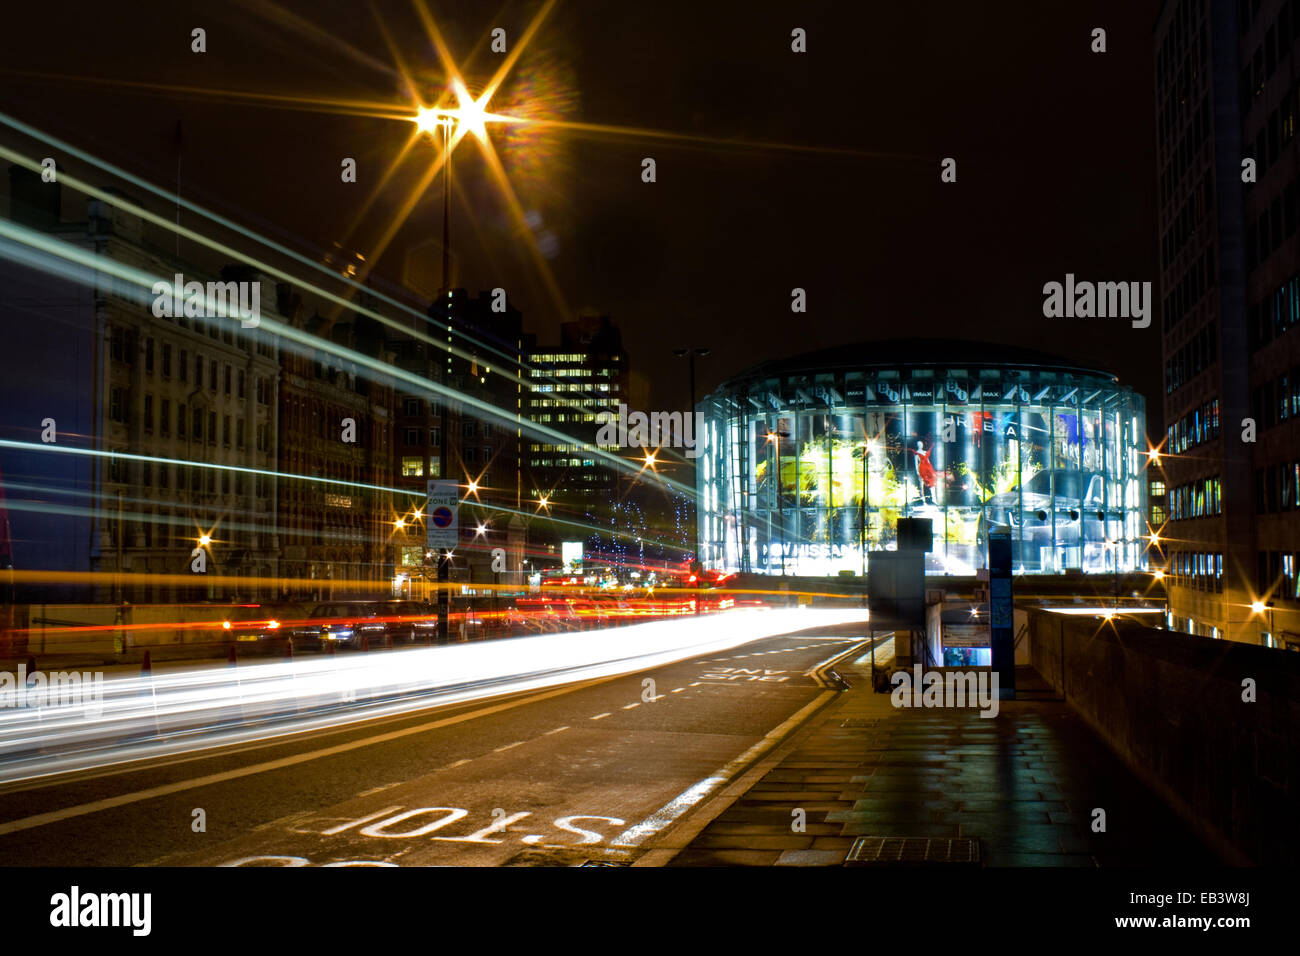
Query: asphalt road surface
[{"x": 584, "y": 771}]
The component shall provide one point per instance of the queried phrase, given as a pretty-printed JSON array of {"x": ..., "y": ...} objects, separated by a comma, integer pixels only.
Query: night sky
[{"x": 1055, "y": 151}]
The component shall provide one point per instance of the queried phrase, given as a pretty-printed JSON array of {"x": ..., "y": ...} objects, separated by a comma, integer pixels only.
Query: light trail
[
  {"x": 136, "y": 718},
  {"x": 84, "y": 267}
]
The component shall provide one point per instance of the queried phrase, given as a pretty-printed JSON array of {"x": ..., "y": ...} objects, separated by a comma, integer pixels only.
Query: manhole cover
[{"x": 912, "y": 851}]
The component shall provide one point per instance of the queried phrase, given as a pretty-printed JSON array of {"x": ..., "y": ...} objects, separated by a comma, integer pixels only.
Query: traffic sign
[{"x": 442, "y": 529}]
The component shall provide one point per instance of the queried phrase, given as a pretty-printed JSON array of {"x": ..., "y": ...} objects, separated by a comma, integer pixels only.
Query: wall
[{"x": 1171, "y": 706}]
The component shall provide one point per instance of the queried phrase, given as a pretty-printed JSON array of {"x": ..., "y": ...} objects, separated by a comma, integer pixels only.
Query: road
[{"x": 586, "y": 770}]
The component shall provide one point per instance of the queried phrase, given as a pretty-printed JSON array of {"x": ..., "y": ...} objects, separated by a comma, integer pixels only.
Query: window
[
  {"x": 183, "y": 366},
  {"x": 229, "y": 372},
  {"x": 468, "y": 429},
  {"x": 166, "y": 360},
  {"x": 148, "y": 413},
  {"x": 212, "y": 374},
  {"x": 198, "y": 370},
  {"x": 410, "y": 405},
  {"x": 212, "y": 428},
  {"x": 487, "y": 430},
  {"x": 435, "y": 436},
  {"x": 239, "y": 434},
  {"x": 240, "y": 392},
  {"x": 165, "y": 417},
  {"x": 1157, "y": 489},
  {"x": 411, "y": 436},
  {"x": 180, "y": 421},
  {"x": 148, "y": 355},
  {"x": 225, "y": 430},
  {"x": 412, "y": 467},
  {"x": 117, "y": 404},
  {"x": 471, "y": 455}
]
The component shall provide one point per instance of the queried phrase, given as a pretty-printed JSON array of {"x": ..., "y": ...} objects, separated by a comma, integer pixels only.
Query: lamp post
[
  {"x": 865, "y": 505},
  {"x": 690, "y": 354},
  {"x": 774, "y": 437}
]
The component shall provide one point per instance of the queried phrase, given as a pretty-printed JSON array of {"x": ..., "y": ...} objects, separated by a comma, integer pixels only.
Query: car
[
  {"x": 351, "y": 624},
  {"x": 261, "y": 627},
  {"x": 410, "y": 622}
]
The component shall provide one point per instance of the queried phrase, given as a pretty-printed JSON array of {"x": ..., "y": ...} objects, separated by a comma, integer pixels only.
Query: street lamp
[
  {"x": 1265, "y": 607},
  {"x": 774, "y": 439}
]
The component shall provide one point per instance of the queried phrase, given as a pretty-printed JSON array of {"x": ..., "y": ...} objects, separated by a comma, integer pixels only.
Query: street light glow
[
  {"x": 204, "y": 540},
  {"x": 1258, "y": 607}
]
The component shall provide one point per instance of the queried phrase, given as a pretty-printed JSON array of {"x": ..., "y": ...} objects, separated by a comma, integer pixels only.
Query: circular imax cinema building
[{"x": 808, "y": 462}]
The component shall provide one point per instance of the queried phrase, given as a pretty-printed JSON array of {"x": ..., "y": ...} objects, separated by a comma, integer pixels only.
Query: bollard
[
  {"x": 233, "y": 659},
  {"x": 288, "y": 649}
]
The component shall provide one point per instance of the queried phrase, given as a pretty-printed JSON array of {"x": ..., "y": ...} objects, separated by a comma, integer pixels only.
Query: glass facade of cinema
[{"x": 805, "y": 472}]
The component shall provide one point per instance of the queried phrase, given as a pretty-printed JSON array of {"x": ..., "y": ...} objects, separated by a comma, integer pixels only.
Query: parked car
[
  {"x": 352, "y": 624},
  {"x": 261, "y": 627},
  {"x": 410, "y": 622}
]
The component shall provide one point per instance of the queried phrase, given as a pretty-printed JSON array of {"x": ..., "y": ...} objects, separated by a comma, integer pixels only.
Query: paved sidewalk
[{"x": 1024, "y": 783}]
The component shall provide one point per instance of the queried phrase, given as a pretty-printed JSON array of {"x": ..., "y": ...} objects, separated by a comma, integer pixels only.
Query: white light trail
[{"x": 180, "y": 712}]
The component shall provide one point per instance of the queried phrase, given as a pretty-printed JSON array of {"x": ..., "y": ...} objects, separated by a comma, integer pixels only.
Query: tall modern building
[
  {"x": 1227, "y": 103},
  {"x": 571, "y": 383}
]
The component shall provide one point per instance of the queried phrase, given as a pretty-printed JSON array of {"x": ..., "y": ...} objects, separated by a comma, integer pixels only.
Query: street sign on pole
[
  {"x": 1002, "y": 611},
  {"x": 442, "y": 525}
]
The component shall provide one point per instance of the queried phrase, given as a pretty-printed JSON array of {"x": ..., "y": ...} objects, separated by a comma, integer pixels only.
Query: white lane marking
[
  {"x": 696, "y": 684},
  {"x": 598, "y": 716},
  {"x": 556, "y": 730},
  {"x": 630, "y": 706},
  {"x": 498, "y": 825},
  {"x": 507, "y": 747},
  {"x": 671, "y": 811},
  {"x": 351, "y": 823},
  {"x": 180, "y": 786},
  {"x": 458, "y": 763},
  {"x": 678, "y": 690}
]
